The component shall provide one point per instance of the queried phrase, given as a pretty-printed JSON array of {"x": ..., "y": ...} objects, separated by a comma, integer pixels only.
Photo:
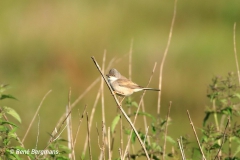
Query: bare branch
[{"x": 195, "y": 133}]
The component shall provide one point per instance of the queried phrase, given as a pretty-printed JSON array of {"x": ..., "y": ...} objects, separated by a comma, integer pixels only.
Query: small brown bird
[{"x": 123, "y": 86}]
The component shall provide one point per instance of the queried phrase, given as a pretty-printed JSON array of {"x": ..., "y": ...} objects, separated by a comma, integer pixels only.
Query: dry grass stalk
[
  {"x": 235, "y": 51},
  {"x": 91, "y": 118},
  {"x": 195, "y": 133},
  {"x": 38, "y": 129},
  {"x": 102, "y": 92},
  {"x": 166, "y": 129},
  {"x": 69, "y": 127},
  {"x": 109, "y": 144},
  {"x": 89, "y": 139},
  {"x": 145, "y": 123},
  {"x": 79, "y": 124},
  {"x": 165, "y": 55},
  {"x": 34, "y": 117},
  {"x": 181, "y": 149},
  {"x": 103, "y": 141}
]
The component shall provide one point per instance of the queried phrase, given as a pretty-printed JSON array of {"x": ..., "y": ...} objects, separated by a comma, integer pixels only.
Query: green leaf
[
  {"x": 133, "y": 138},
  {"x": 4, "y": 96},
  {"x": 153, "y": 128},
  {"x": 237, "y": 95},
  {"x": 171, "y": 140},
  {"x": 13, "y": 113},
  {"x": 82, "y": 156},
  {"x": 147, "y": 114},
  {"x": 130, "y": 103},
  {"x": 12, "y": 133},
  {"x": 3, "y": 128},
  {"x": 3, "y": 87},
  {"x": 237, "y": 150},
  {"x": 206, "y": 117},
  {"x": 227, "y": 111},
  {"x": 135, "y": 104},
  {"x": 6, "y": 122},
  {"x": 127, "y": 131},
  {"x": 163, "y": 122},
  {"x": 115, "y": 122},
  {"x": 215, "y": 146}
]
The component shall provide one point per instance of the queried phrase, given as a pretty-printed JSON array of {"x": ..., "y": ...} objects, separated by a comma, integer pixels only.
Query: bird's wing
[{"x": 128, "y": 84}]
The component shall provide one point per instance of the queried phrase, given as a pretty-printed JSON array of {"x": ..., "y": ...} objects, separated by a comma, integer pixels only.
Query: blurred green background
[{"x": 47, "y": 45}]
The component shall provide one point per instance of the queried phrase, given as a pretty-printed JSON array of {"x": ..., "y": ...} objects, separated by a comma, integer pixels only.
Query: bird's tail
[{"x": 153, "y": 89}]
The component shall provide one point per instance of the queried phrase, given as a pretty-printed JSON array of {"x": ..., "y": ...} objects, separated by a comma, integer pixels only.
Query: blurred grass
[{"x": 47, "y": 45}]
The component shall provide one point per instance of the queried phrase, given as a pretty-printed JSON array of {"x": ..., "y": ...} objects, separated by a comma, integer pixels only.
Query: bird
[{"x": 123, "y": 86}]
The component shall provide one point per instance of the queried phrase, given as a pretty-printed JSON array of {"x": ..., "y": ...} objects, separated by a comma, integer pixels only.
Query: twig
[
  {"x": 102, "y": 91},
  {"x": 235, "y": 51},
  {"x": 224, "y": 136},
  {"x": 181, "y": 140},
  {"x": 98, "y": 138},
  {"x": 91, "y": 119},
  {"x": 195, "y": 133},
  {"x": 146, "y": 135},
  {"x": 78, "y": 128},
  {"x": 164, "y": 56},
  {"x": 119, "y": 106},
  {"x": 103, "y": 140},
  {"x": 120, "y": 152},
  {"x": 130, "y": 69},
  {"x": 71, "y": 131},
  {"x": 69, "y": 127},
  {"x": 38, "y": 131},
  {"x": 89, "y": 139},
  {"x": 121, "y": 135},
  {"x": 145, "y": 122},
  {"x": 166, "y": 129},
  {"x": 109, "y": 145},
  {"x": 130, "y": 60},
  {"x": 181, "y": 149},
  {"x": 34, "y": 117}
]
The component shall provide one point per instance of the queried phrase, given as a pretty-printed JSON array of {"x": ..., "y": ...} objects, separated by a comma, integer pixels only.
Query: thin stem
[
  {"x": 34, "y": 117},
  {"x": 130, "y": 60},
  {"x": 69, "y": 127},
  {"x": 224, "y": 136},
  {"x": 235, "y": 51},
  {"x": 181, "y": 149},
  {"x": 38, "y": 131},
  {"x": 109, "y": 145},
  {"x": 166, "y": 129},
  {"x": 89, "y": 139},
  {"x": 165, "y": 55},
  {"x": 79, "y": 124},
  {"x": 91, "y": 119},
  {"x": 215, "y": 114},
  {"x": 102, "y": 91},
  {"x": 195, "y": 133},
  {"x": 145, "y": 122}
]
